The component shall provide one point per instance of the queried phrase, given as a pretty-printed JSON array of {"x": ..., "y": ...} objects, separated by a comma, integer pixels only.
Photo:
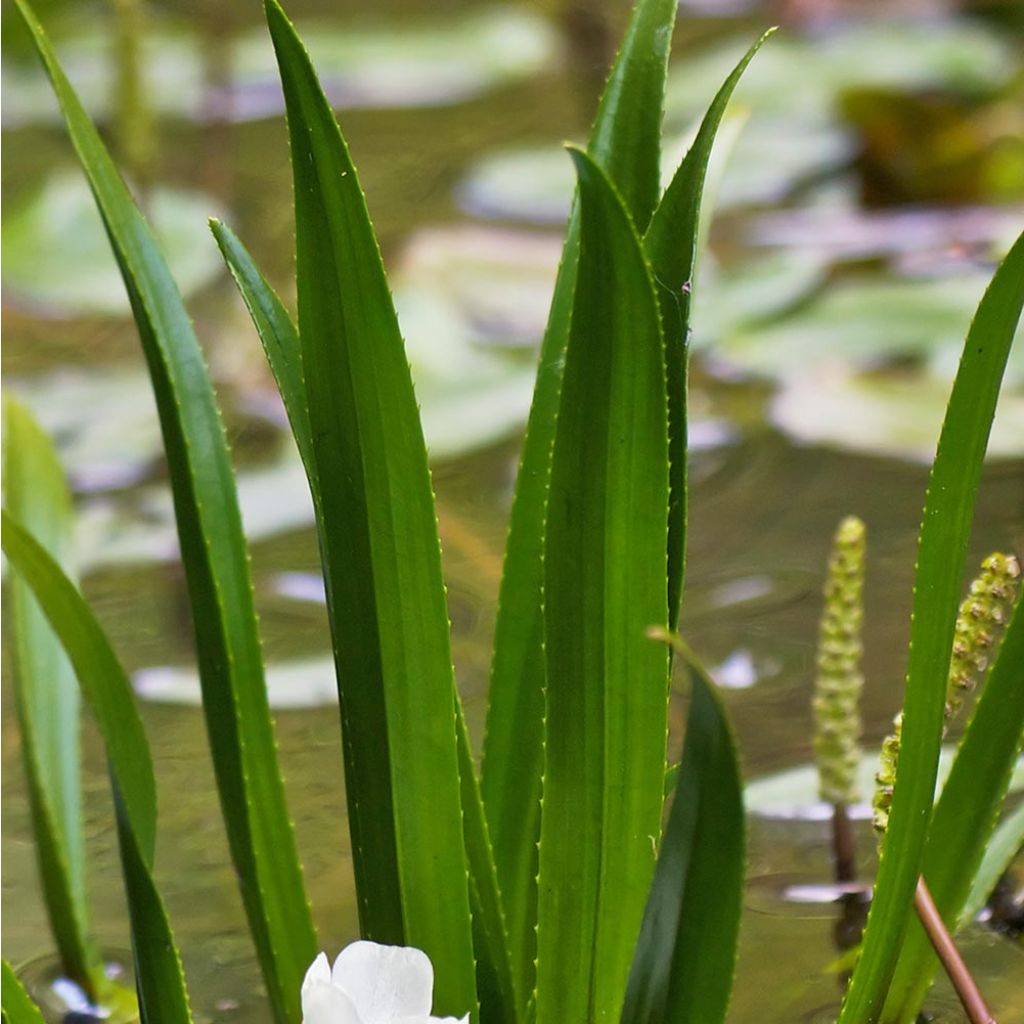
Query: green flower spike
[
  {"x": 839, "y": 681},
  {"x": 979, "y": 626}
]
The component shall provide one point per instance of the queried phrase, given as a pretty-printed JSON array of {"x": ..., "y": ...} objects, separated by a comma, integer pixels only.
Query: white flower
[{"x": 371, "y": 984}]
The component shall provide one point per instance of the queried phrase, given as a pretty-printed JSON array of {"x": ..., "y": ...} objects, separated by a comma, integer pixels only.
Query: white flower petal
[
  {"x": 385, "y": 982},
  {"x": 319, "y": 970},
  {"x": 432, "y": 1020},
  {"x": 324, "y": 1003}
]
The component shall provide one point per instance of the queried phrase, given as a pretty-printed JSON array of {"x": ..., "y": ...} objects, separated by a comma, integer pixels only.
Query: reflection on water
[{"x": 465, "y": 196}]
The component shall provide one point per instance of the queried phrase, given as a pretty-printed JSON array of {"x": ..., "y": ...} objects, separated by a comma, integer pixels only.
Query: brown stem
[
  {"x": 844, "y": 846},
  {"x": 949, "y": 955}
]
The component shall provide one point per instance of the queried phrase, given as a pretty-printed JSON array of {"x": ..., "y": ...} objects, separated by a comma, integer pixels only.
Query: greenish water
[{"x": 827, "y": 314}]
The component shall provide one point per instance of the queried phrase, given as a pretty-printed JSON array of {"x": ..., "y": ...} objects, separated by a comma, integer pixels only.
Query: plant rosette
[{"x": 371, "y": 984}]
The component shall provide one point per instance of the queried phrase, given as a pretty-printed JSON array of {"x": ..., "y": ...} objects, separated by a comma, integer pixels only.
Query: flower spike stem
[
  {"x": 844, "y": 845},
  {"x": 837, "y": 689},
  {"x": 966, "y": 988}
]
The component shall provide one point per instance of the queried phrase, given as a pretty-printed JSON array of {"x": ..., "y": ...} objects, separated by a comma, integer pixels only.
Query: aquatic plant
[
  {"x": 978, "y": 631},
  {"x": 541, "y": 887},
  {"x": 839, "y": 682},
  {"x": 980, "y": 621}
]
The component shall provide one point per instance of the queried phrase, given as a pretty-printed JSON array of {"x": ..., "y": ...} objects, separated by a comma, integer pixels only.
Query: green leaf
[
  {"x": 604, "y": 585},
  {"x": 158, "y": 976},
  {"x": 281, "y": 344},
  {"x": 216, "y": 565},
  {"x": 625, "y": 141},
  {"x": 1002, "y": 848},
  {"x": 47, "y": 700},
  {"x": 496, "y": 984},
  {"x": 671, "y": 246},
  {"x": 686, "y": 954},
  {"x": 382, "y": 559},
  {"x": 278, "y": 335},
  {"x": 18, "y": 1007},
  {"x": 965, "y": 816},
  {"x": 942, "y": 546}
]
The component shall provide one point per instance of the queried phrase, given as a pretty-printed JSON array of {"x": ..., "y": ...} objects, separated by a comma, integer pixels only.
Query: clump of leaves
[{"x": 532, "y": 884}]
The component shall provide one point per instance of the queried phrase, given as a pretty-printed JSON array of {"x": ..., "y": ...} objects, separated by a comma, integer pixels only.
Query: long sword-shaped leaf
[
  {"x": 671, "y": 247},
  {"x": 942, "y": 547},
  {"x": 160, "y": 983},
  {"x": 281, "y": 342},
  {"x": 496, "y": 984},
  {"x": 216, "y": 565},
  {"x": 965, "y": 816},
  {"x": 382, "y": 559},
  {"x": 604, "y": 585},
  {"x": 1005, "y": 844},
  {"x": 47, "y": 700},
  {"x": 686, "y": 955},
  {"x": 625, "y": 141},
  {"x": 18, "y": 1007},
  {"x": 278, "y": 335}
]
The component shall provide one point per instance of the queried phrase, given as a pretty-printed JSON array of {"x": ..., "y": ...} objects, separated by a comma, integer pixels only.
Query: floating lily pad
[
  {"x": 534, "y": 185},
  {"x": 120, "y": 533},
  {"x": 801, "y": 77},
  {"x": 793, "y": 86},
  {"x": 893, "y": 414},
  {"x": 104, "y": 424},
  {"x": 274, "y": 499},
  {"x": 793, "y": 794},
  {"x": 301, "y": 586},
  {"x": 763, "y": 159},
  {"x": 729, "y": 301},
  {"x": 56, "y": 255},
  {"x": 866, "y": 364},
  {"x": 773, "y": 156},
  {"x": 172, "y": 71},
  {"x": 472, "y": 303},
  {"x": 863, "y": 322},
  {"x": 430, "y": 64},
  {"x": 500, "y": 281},
  {"x": 933, "y": 236},
  {"x": 422, "y": 65},
  {"x": 306, "y": 683}
]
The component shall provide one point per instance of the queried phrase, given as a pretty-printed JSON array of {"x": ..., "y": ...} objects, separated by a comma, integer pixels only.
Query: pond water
[{"x": 869, "y": 177}]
